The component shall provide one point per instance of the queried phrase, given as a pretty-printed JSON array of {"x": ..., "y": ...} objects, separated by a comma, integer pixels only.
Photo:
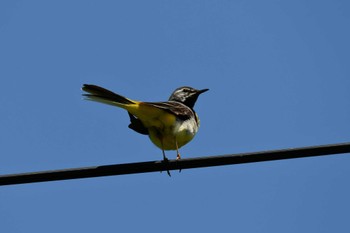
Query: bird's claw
[
  {"x": 178, "y": 157},
  {"x": 166, "y": 161}
]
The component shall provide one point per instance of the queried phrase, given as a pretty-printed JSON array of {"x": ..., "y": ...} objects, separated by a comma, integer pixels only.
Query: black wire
[{"x": 156, "y": 166}]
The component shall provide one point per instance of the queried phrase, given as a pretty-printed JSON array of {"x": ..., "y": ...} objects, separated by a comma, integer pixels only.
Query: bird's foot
[
  {"x": 178, "y": 157},
  {"x": 166, "y": 162}
]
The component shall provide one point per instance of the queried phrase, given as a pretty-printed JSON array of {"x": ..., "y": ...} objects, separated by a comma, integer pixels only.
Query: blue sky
[{"x": 278, "y": 73}]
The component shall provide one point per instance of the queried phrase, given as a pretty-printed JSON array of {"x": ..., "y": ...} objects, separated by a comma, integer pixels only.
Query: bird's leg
[
  {"x": 178, "y": 156},
  {"x": 165, "y": 159}
]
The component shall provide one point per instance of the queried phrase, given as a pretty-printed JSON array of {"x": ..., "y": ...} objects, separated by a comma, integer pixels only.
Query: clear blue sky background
[{"x": 279, "y": 77}]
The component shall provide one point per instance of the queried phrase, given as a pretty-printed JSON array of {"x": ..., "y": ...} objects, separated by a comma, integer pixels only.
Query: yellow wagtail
[{"x": 170, "y": 125}]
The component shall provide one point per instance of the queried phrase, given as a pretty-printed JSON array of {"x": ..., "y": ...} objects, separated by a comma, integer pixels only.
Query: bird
[{"x": 169, "y": 124}]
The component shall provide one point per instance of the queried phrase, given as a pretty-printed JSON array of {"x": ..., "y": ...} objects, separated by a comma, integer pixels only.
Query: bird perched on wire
[{"x": 170, "y": 124}]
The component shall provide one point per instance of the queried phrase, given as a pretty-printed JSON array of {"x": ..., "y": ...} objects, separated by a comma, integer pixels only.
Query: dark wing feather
[
  {"x": 137, "y": 125},
  {"x": 180, "y": 110}
]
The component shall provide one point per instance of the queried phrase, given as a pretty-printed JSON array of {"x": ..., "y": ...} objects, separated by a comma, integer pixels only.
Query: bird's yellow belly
[{"x": 174, "y": 136}]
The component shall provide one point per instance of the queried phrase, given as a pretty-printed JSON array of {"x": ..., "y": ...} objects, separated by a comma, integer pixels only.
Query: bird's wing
[
  {"x": 180, "y": 110},
  {"x": 137, "y": 125}
]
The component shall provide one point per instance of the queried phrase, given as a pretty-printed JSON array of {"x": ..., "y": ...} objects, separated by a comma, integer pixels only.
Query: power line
[{"x": 154, "y": 166}]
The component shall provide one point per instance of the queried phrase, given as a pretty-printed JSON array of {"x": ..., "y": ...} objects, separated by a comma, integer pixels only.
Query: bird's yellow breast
[{"x": 175, "y": 135}]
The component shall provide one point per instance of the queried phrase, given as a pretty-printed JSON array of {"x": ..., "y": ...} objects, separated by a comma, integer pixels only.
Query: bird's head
[{"x": 186, "y": 95}]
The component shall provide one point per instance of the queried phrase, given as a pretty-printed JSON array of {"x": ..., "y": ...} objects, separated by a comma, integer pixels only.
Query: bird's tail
[{"x": 102, "y": 95}]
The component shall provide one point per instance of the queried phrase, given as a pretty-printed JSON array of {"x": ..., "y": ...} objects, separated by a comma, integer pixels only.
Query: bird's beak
[{"x": 202, "y": 91}]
